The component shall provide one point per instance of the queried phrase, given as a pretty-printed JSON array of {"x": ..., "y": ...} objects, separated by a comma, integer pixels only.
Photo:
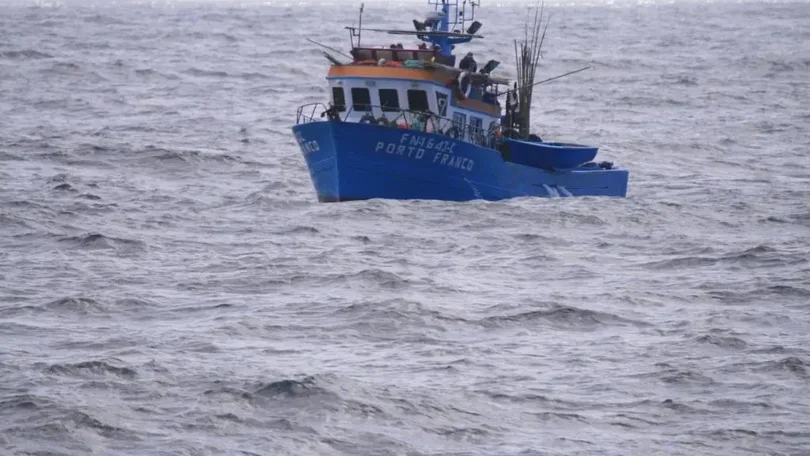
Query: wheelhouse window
[
  {"x": 361, "y": 99},
  {"x": 389, "y": 100},
  {"x": 459, "y": 119},
  {"x": 459, "y": 124},
  {"x": 418, "y": 100},
  {"x": 339, "y": 98},
  {"x": 476, "y": 124},
  {"x": 477, "y": 130}
]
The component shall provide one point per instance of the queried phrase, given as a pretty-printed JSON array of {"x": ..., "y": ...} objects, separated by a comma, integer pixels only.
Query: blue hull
[{"x": 354, "y": 161}]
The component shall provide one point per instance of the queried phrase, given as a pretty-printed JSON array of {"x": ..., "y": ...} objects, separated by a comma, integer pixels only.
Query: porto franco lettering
[{"x": 416, "y": 147}]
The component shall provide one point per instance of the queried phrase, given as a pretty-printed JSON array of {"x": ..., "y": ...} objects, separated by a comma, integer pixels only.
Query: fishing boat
[{"x": 408, "y": 123}]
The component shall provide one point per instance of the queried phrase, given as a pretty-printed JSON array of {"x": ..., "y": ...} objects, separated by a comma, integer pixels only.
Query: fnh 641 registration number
[{"x": 417, "y": 147}]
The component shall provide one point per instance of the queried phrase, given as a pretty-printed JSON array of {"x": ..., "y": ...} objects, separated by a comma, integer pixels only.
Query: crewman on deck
[
  {"x": 331, "y": 113},
  {"x": 468, "y": 63}
]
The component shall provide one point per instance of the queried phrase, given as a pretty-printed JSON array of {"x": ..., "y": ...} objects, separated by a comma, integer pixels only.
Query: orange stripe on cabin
[
  {"x": 418, "y": 74},
  {"x": 478, "y": 106},
  {"x": 413, "y": 74}
]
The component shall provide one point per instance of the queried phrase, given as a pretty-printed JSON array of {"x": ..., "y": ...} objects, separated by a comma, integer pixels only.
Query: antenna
[{"x": 360, "y": 26}]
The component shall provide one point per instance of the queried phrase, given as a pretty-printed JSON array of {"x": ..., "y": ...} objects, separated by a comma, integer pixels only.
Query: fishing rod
[
  {"x": 550, "y": 79},
  {"x": 330, "y": 48}
]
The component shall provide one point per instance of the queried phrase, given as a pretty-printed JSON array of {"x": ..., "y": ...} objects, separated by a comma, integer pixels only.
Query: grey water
[{"x": 169, "y": 283}]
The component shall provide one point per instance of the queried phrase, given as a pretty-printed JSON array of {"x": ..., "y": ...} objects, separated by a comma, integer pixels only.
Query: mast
[
  {"x": 450, "y": 9},
  {"x": 444, "y": 26}
]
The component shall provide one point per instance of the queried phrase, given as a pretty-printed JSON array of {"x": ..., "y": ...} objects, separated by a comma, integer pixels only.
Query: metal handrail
[{"x": 417, "y": 120}]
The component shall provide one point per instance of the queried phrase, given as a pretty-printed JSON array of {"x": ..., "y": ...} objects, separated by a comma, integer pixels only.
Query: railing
[{"x": 422, "y": 121}]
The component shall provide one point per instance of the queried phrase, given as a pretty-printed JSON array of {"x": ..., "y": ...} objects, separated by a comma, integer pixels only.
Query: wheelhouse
[{"x": 384, "y": 90}]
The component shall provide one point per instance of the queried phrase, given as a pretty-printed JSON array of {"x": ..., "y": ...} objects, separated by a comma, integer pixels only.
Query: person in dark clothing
[
  {"x": 331, "y": 113},
  {"x": 468, "y": 63}
]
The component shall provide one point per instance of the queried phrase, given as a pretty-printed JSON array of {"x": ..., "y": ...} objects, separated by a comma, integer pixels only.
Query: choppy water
[{"x": 169, "y": 284}]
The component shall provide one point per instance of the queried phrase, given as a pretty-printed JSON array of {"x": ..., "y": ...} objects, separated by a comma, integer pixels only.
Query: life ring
[{"x": 464, "y": 84}]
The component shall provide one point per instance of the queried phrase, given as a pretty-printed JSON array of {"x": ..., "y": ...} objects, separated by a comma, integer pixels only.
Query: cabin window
[
  {"x": 476, "y": 124},
  {"x": 418, "y": 100},
  {"x": 476, "y": 130},
  {"x": 361, "y": 99},
  {"x": 459, "y": 120},
  {"x": 389, "y": 100},
  {"x": 339, "y": 98}
]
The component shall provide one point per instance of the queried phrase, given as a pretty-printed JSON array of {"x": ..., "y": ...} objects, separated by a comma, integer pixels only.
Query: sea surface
[{"x": 169, "y": 284}]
